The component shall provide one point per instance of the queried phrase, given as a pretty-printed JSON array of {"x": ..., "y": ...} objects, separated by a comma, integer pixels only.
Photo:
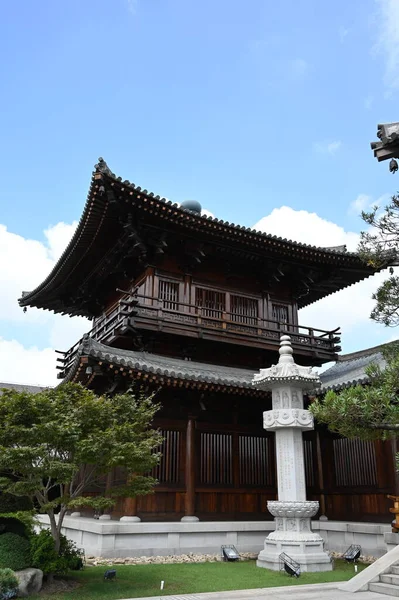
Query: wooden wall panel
[
  {"x": 233, "y": 505},
  {"x": 357, "y": 476},
  {"x": 358, "y": 507},
  {"x": 235, "y": 474}
]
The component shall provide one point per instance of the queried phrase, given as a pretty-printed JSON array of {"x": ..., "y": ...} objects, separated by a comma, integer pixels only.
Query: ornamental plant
[
  {"x": 8, "y": 584},
  {"x": 58, "y": 443}
]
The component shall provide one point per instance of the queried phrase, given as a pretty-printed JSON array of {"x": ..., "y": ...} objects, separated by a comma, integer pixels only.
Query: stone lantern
[{"x": 292, "y": 512}]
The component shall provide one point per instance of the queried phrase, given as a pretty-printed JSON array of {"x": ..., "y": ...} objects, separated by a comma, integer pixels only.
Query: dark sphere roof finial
[{"x": 192, "y": 205}]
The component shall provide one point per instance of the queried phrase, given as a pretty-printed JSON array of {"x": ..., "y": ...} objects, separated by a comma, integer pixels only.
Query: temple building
[{"x": 192, "y": 307}]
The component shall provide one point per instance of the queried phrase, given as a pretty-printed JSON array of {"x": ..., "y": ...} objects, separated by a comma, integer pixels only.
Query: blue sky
[{"x": 246, "y": 107}]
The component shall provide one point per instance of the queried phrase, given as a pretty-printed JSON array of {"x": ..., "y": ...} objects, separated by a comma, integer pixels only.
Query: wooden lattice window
[
  {"x": 169, "y": 294},
  {"x": 355, "y": 463},
  {"x": 280, "y": 313},
  {"x": 168, "y": 470},
  {"x": 255, "y": 460},
  {"x": 211, "y": 302},
  {"x": 309, "y": 463},
  {"x": 244, "y": 310},
  {"x": 216, "y": 466}
]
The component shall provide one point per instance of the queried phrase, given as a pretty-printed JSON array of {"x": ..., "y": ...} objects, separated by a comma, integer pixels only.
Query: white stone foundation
[{"x": 116, "y": 539}]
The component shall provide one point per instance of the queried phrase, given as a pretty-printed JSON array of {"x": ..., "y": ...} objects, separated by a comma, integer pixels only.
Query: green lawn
[{"x": 145, "y": 580}]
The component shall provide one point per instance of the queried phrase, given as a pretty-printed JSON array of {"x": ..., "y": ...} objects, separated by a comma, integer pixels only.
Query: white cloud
[
  {"x": 308, "y": 228},
  {"x": 58, "y": 236},
  {"x": 387, "y": 44},
  {"x": 327, "y": 147},
  {"x": 365, "y": 202},
  {"x": 27, "y": 365},
  {"x": 206, "y": 213},
  {"x": 24, "y": 265},
  {"x": 362, "y": 202},
  {"x": 349, "y": 308}
]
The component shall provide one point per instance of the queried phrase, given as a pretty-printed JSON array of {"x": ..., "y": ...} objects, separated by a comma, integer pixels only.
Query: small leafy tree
[
  {"x": 379, "y": 247},
  {"x": 369, "y": 412},
  {"x": 58, "y": 443}
]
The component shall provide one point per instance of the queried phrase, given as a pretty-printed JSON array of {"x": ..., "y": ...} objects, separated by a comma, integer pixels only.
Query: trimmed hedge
[{"x": 14, "y": 552}]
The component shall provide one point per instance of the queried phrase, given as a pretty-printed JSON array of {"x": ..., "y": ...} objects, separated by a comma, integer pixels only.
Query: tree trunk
[
  {"x": 55, "y": 532},
  {"x": 54, "y": 529}
]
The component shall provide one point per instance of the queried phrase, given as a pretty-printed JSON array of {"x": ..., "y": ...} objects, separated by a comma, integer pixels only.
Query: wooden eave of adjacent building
[
  {"x": 121, "y": 221},
  {"x": 388, "y": 146},
  {"x": 92, "y": 359}
]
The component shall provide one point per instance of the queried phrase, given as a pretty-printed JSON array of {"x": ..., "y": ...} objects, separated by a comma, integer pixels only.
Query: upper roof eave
[{"x": 93, "y": 214}]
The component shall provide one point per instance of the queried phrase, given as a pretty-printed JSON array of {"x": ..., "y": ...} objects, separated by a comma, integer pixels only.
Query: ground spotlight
[
  {"x": 289, "y": 565},
  {"x": 230, "y": 553},
  {"x": 110, "y": 575},
  {"x": 352, "y": 554}
]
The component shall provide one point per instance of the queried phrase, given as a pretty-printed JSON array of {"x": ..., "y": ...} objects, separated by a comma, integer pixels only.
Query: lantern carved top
[{"x": 286, "y": 371}]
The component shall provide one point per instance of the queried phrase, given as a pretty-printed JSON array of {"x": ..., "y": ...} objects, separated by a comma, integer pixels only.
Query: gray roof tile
[
  {"x": 165, "y": 366},
  {"x": 350, "y": 369},
  {"x": 21, "y": 387}
]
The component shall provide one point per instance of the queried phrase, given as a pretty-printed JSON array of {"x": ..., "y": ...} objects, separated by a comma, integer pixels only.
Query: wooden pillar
[
  {"x": 130, "y": 508},
  {"x": 321, "y": 478},
  {"x": 108, "y": 487},
  {"x": 394, "y": 446},
  {"x": 189, "y": 504}
]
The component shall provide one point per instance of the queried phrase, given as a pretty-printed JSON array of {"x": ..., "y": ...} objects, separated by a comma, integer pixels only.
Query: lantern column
[{"x": 293, "y": 534}]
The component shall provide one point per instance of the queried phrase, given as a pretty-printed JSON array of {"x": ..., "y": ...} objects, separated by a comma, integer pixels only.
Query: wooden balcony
[{"x": 138, "y": 312}]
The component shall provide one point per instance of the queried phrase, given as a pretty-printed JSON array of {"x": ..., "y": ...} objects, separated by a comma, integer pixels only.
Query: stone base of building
[{"x": 121, "y": 539}]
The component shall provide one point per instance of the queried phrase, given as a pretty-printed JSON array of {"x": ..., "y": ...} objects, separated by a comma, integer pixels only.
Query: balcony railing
[{"x": 146, "y": 312}]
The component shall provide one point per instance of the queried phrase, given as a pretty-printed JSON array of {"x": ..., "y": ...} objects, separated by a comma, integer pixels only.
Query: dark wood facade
[
  {"x": 219, "y": 464},
  {"x": 193, "y": 307}
]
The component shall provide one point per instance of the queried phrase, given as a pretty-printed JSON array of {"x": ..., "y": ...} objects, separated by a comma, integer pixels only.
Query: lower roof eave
[{"x": 162, "y": 369}]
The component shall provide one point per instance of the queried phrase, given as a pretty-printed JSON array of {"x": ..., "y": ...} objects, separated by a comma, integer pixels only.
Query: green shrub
[
  {"x": 21, "y": 522},
  {"x": 44, "y": 556},
  {"x": 73, "y": 555},
  {"x": 8, "y": 582},
  {"x": 13, "y": 524},
  {"x": 14, "y": 552}
]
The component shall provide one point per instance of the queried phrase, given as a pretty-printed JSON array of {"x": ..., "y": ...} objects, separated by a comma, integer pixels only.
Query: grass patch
[{"x": 134, "y": 581}]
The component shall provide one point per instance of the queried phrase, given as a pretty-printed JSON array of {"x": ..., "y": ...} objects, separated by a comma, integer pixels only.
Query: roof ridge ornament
[
  {"x": 286, "y": 371},
  {"x": 102, "y": 167}
]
